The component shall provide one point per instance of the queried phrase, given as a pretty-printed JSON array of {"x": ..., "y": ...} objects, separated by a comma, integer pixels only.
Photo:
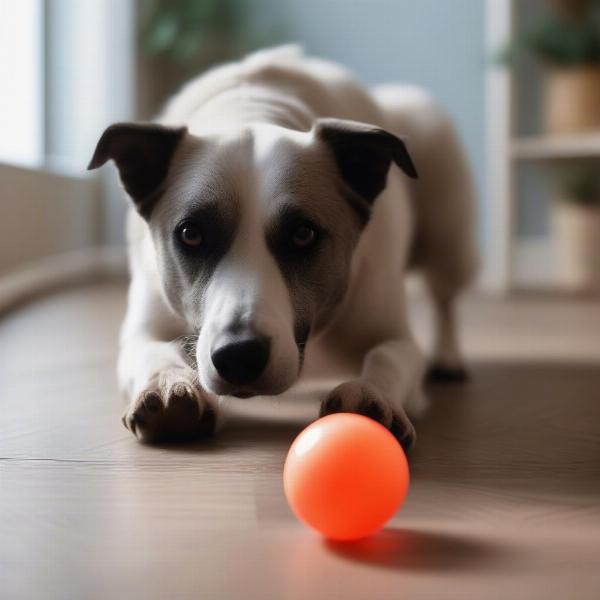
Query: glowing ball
[{"x": 345, "y": 476}]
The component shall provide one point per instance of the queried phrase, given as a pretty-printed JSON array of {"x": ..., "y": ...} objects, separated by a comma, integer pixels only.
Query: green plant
[
  {"x": 187, "y": 31},
  {"x": 560, "y": 39},
  {"x": 580, "y": 184}
]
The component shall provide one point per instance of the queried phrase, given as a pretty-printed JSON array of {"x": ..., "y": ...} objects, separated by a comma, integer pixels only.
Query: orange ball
[{"x": 345, "y": 476}]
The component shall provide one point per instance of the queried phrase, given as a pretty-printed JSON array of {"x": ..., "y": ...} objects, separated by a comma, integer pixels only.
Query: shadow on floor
[
  {"x": 529, "y": 426},
  {"x": 410, "y": 549},
  {"x": 252, "y": 433}
]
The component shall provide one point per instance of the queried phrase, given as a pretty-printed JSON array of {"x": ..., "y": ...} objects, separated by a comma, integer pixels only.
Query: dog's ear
[
  {"x": 142, "y": 153},
  {"x": 363, "y": 154}
]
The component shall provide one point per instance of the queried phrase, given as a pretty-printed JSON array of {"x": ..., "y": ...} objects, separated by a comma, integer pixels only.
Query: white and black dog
[{"x": 277, "y": 212}]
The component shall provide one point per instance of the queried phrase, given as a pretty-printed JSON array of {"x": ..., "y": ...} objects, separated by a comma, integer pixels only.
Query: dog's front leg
[
  {"x": 389, "y": 386},
  {"x": 165, "y": 399}
]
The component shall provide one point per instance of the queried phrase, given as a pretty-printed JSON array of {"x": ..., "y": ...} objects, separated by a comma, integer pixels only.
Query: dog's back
[{"x": 319, "y": 87}]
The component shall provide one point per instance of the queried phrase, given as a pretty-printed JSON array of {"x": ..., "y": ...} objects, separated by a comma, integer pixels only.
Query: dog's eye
[
  {"x": 304, "y": 236},
  {"x": 190, "y": 235}
]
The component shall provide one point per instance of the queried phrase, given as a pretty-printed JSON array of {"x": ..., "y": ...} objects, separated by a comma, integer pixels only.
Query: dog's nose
[{"x": 241, "y": 361}]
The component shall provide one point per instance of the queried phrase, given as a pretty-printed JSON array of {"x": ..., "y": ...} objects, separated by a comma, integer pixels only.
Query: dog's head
[{"x": 254, "y": 232}]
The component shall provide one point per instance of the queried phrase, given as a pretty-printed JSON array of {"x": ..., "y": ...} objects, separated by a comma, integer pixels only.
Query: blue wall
[{"x": 438, "y": 44}]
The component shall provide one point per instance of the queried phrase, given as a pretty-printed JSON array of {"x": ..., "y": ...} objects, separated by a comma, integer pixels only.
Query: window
[{"x": 22, "y": 77}]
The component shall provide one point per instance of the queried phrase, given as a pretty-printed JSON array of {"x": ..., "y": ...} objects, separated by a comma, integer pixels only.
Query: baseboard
[{"x": 42, "y": 276}]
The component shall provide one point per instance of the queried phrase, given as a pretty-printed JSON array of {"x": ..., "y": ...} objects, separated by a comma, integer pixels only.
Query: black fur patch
[
  {"x": 363, "y": 154},
  {"x": 142, "y": 153}
]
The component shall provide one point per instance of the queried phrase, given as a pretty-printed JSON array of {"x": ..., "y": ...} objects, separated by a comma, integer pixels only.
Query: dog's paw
[
  {"x": 365, "y": 399},
  {"x": 172, "y": 408},
  {"x": 358, "y": 397},
  {"x": 404, "y": 431}
]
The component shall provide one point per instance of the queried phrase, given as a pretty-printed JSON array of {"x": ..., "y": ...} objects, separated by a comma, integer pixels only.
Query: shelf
[{"x": 556, "y": 147}]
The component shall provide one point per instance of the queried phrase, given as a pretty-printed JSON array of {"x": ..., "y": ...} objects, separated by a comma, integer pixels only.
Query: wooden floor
[{"x": 504, "y": 503}]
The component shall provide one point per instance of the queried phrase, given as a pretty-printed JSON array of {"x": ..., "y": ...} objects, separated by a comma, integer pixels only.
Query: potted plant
[
  {"x": 567, "y": 42},
  {"x": 576, "y": 224},
  {"x": 181, "y": 38}
]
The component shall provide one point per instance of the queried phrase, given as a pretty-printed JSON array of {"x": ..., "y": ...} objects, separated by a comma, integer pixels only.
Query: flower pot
[
  {"x": 572, "y": 99},
  {"x": 577, "y": 233}
]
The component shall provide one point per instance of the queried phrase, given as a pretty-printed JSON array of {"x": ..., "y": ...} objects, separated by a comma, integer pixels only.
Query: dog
[{"x": 276, "y": 210}]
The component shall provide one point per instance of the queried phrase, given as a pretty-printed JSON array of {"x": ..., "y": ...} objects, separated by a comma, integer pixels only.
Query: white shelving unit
[
  {"x": 515, "y": 262},
  {"x": 556, "y": 147}
]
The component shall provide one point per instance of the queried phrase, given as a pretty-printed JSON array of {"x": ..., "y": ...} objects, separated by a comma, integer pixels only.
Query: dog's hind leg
[
  {"x": 443, "y": 201},
  {"x": 446, "y": 364}
]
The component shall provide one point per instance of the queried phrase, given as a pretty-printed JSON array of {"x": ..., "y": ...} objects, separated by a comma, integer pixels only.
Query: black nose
[{"x": 241, "y": 361}]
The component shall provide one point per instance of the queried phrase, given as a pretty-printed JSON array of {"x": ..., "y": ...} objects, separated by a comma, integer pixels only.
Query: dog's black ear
[
  {"x": 142, "y": 153},
  {"x": 363, "y": 154}
]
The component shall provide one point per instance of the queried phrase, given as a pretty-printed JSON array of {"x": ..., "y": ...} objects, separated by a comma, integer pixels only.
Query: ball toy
[{"x": 345, "y": 476}]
